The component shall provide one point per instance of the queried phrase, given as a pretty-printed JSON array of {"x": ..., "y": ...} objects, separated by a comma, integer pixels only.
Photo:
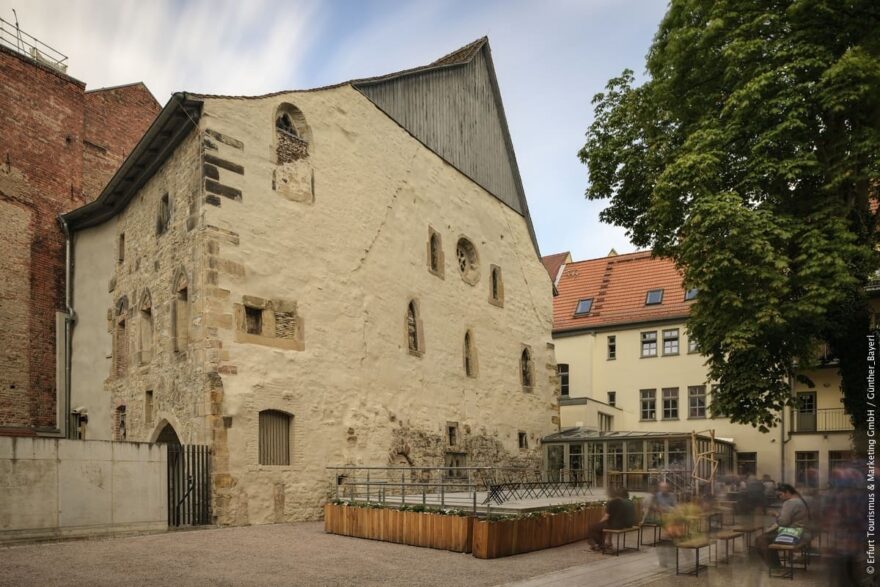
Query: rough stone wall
[
  {"x": 152, "y": 267},
  {"x": 115, "y": 120},
  {"x": 347, "y": 245},
  {"x": 43, "y": 131}
]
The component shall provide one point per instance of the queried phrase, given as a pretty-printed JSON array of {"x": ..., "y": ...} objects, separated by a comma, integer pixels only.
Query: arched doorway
[{"x": 167, "y": 435}]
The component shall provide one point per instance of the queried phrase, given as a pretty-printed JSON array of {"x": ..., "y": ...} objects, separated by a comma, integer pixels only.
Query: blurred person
[
  {"x": 795, "y": 513},
  {"x": 620, "y": 512}
]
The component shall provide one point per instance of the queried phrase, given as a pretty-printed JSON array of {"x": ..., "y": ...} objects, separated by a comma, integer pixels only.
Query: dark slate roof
[{"x": 179, "y": 116}]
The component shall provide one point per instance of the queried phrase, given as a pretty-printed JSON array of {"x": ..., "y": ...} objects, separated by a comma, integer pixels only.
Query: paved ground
[{"x": 301, "y": 554}]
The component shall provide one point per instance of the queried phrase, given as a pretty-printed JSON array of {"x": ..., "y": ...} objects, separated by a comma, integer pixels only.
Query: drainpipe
[
  {"x": 782, "y": 439},
  {"x": 64, "y": 422}
]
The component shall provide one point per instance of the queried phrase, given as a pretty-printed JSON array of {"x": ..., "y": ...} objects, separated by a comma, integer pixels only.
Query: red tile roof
[
  {"x": 618, "y": 286},
  {"x": 552, "y": 263}
]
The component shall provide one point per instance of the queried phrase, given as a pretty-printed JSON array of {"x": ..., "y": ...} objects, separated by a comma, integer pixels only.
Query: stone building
[
  {"x": 629, "y": 369},
  {"x": 345, "y": 275},
  {"x": 59, "y": 144}
]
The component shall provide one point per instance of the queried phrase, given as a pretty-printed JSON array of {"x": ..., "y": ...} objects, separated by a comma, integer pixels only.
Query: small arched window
[
  {"x": 414, "y": 340},
  {"x": 163, "y": 217},
  {"x": 285, "y": 124},
  {"x": 496, "y": 287},
  {"x": 146, "y": 328},
  {"x": 525, "y": 365},
  {"x": 435, "y": 253},
  {"x": 292, "y": 134},
  {"x": 120, "y": 339},
  {"x": 470, "y": 355}
]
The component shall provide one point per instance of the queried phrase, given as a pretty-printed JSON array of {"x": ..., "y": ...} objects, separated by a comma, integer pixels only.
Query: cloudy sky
[{"x": 551, "y": 57}]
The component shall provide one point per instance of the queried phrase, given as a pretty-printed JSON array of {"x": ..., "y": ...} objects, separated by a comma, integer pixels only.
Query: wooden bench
[
  {"x": 695, "y": 544},
  {"x": 748, "y": 531},
  {"x": 786, "y": 553},
  {"x": 617, "y": 534},
  {"x": 656, "y": 533},
  {"x": 727, "y": 536}
]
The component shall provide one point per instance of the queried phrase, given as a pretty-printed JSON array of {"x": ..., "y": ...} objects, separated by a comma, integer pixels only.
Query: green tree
[{"x": 750, "y": 157}]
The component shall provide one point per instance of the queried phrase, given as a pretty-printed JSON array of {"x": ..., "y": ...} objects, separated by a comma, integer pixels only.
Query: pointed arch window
[
  {"x": 146, "y": 328},
  {"x": 435, "y": 253},
  {"x": 414, "y": 336},
  {"x": 496, "y": 287},
  {"x": 470, "y": 355},
  {"x": 527, "y": 375},
  {"x": 120, "y": 338}
]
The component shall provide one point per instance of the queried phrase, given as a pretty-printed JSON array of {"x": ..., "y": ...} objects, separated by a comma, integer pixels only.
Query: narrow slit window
[
  {"x": 562, "y": 371},
  {"x": 526, "y": 374},
  {"x": 470, "y": 367}
]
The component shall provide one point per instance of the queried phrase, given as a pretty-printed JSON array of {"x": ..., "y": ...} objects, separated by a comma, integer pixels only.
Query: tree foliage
[{"x": 750, "y": 157}]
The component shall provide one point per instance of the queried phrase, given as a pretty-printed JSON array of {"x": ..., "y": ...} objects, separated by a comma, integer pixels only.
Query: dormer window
[
  {"x": 691, "y": 294},
  {"x": 655, "y": 296},
  {"x": 584, "y": 307}
]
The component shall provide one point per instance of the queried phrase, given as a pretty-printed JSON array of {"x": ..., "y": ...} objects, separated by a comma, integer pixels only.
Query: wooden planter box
[
  {"x": 509, "y": 537},
  {"x": 389, "y": 525}
]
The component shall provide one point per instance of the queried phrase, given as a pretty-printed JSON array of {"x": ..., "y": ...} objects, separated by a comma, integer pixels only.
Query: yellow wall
[{"x": 592, "y": 375}]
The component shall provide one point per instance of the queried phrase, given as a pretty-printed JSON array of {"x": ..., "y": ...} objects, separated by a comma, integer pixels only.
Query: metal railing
[
  {"x": 470, "y": 488},
  {"x": 824, "y": 420},
  {"x": 13, "y": 37}
]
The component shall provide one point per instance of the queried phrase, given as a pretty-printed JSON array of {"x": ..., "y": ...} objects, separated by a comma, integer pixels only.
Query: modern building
[
  {"x": 59, "y": 145},
  {"x": 344, "y": 275},
  {"x": 629, "y": 368}
]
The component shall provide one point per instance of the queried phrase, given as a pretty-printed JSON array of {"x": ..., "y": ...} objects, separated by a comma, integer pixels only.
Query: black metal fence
[{"x": 189, "y": 485}]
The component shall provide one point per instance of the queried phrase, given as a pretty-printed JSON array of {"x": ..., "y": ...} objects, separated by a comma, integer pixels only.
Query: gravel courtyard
[{"x": 284, "y": 554}]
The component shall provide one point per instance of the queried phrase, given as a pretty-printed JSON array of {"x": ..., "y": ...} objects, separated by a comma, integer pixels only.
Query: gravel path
[{"x": 283, "y": 554}]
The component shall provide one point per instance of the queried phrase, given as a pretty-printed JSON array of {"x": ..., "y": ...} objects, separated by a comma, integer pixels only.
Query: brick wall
[{"x": 45, "y": 120}]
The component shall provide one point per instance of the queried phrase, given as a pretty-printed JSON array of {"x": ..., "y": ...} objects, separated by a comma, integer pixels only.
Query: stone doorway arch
[{"x": 165, "y": 434}]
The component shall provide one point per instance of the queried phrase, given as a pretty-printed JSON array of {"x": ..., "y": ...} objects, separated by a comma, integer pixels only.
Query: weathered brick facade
[{"x": 58, "y": 146}]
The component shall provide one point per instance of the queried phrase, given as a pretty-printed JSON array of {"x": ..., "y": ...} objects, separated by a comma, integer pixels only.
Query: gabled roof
[
  {"x": 452, "y": 106},
  {"x": 553, "y": 263},
  {"x": 618, "y": 286}
]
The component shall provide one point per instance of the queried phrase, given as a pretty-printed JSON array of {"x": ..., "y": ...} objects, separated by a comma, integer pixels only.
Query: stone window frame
[
  {"x": 470, "y": 363},
  {"x": 496, "y": 286},
  {"x": 523, "y": 440},
  {"x": 149, "y": 406},
  {"x": 303, "y": 132},
  {"x": 180, "y": 287},
  {"x": 120, "y": 248},
  {"x": 412, "y": 319},
  {"x": 164, "y": 214},
  {"x": 467, "y": 260},
  {"x": 526, "y": 368},
  {"x": 453, "y": 438},
  {"x": 435, "y": 258},
  {"x": 120, "y": 338},
  {"x": 280, "y": 455},
  {"x": 146, "y": 328},
  {"x": 268, "y": 336}
]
